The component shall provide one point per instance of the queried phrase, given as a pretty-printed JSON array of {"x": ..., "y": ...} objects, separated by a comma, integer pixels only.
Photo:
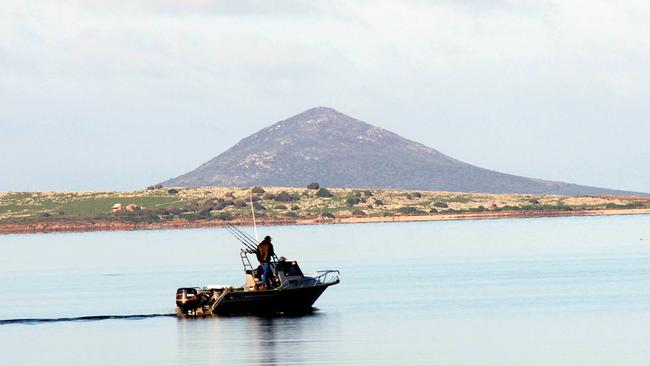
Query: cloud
[{"x": 425, "y": 69}]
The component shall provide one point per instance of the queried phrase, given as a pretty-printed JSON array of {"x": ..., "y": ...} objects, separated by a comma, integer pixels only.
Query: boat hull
[{"x": 294, "y": 300}]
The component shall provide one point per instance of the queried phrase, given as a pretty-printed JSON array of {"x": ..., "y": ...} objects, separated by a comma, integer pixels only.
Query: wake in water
[{"x": 82, "y": 318}]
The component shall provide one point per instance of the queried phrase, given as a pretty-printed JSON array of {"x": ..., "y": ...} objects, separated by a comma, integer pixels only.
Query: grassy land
[{"x": 214, "y": 205}]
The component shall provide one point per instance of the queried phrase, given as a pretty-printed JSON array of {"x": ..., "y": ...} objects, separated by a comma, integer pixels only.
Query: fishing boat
[{"x": 291, "y": 290}]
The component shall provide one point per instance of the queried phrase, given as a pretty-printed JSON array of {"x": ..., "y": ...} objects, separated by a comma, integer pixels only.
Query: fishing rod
[
  {"x": 275, "y": 257},
  {"x": 247, "y": 247},
  {"x": 247, "y": 235},
  {"x": 249, "y": 238},
  {"x": 243, "y": 234},
  {"x": 251, "y": 243},
  {"x": 242, "y": 239},
  {"x": 257, "y": 237}
]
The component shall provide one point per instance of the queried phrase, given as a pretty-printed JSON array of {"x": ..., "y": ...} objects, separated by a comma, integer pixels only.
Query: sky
[{"x": 118, "y": 95}]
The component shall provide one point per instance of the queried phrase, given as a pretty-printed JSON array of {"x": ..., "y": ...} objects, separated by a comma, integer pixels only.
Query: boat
[{"x": 291, "y": 290}]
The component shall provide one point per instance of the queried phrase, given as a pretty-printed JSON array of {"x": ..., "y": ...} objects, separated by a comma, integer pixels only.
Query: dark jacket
[{"x": 265, "y": 251}]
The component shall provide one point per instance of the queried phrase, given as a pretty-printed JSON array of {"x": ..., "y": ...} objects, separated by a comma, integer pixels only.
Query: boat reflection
[{"x": 249, "y": 340}]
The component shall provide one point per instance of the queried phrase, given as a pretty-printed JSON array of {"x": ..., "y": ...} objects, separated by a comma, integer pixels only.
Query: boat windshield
[{"x": 290, "y": 268}]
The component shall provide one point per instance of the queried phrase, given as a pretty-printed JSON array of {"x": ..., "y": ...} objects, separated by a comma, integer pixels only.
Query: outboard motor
[{"x": 188, "y": 299}]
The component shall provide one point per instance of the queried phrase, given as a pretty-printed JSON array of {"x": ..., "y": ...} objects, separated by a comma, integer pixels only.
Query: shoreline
[{"x": 100, "y": 225}]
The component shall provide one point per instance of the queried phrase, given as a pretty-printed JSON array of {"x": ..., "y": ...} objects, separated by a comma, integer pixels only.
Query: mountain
[{"x": 326, "y": 146}]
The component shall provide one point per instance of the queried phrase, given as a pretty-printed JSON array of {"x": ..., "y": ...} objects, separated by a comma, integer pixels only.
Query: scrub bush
[{"x": 323, "y": 192}]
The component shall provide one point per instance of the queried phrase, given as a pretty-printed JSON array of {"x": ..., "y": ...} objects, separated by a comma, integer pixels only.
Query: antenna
[{"x": 254, "y": 224}]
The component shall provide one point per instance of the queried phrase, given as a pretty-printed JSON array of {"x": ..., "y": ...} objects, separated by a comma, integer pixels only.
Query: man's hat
[{"x": 267, "y": 238}]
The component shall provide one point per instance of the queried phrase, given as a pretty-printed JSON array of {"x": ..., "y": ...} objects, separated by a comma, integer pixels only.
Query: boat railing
[
  {"x": 243, "y": 254},
  {"x": 325, "y": 277},
  {"x": 319, "y": 278},
  {"x": 244, "y": 259}
]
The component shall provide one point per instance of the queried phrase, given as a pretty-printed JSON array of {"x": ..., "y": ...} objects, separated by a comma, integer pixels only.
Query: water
[{"x": 560, "y": 291}]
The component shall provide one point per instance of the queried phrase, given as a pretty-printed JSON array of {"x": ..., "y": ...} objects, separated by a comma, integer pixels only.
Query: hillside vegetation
[{"x": 217, "y": 204}]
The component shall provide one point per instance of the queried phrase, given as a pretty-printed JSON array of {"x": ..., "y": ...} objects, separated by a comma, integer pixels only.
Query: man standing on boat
[{"x": 264, "y": 254}]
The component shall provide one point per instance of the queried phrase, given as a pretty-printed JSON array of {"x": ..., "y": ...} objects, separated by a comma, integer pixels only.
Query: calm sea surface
[{"x": 559, "y": 291}]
